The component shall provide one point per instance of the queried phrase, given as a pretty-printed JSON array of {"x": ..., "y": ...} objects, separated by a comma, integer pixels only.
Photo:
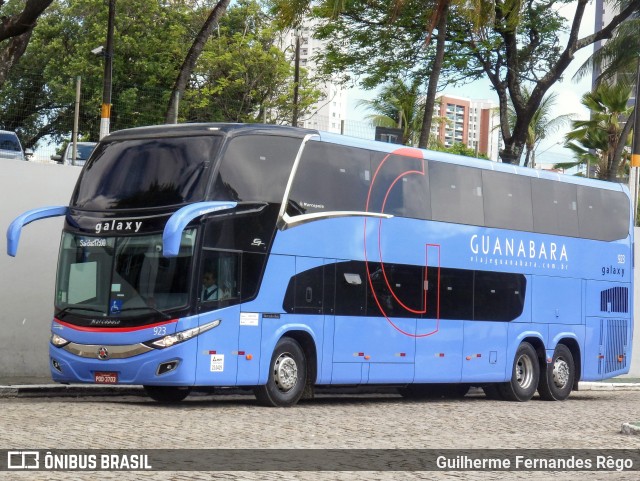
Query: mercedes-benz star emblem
[{"x": 103, "y": 353}]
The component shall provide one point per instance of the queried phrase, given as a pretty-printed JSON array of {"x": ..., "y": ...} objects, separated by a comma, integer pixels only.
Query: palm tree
[
  {"x": 541, "y": 126},
  {"x": 398, "y": 106},
  {"x": 603, "y": 132},
  {"x": 617, "y": 59}
]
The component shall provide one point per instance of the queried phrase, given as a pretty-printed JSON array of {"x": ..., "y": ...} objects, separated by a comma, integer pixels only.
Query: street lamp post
[{"x": 105, "y": 114}]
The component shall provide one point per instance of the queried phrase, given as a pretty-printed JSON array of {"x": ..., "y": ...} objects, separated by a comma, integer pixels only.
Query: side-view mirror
[
  {"x": 57, "y": 158},
  {"x": 28, "y": 152}
]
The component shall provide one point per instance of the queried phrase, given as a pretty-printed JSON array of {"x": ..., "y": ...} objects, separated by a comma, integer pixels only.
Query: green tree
[
  {"x": 189, "y": 63},
  {"x": 398, "y": 106},
  {"x": 459, "y": 148},
  {"x": 378, "y": 41},
  {"x": 617, "y": 61},
  {"x": 522, "y": 48},
  {"x": 38, "y": 98},
  {"x": 542, "y": 124},
  {"x": 242, "y": 75},
  {"x": 602, "y": 133},
  {"x": 17, "y": 20},
  {"x": 152, "y": 39}
]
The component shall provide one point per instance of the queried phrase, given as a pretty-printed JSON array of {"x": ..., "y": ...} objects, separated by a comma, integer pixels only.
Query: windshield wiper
[
  {"x": 63, "y": 312},
  {"x": 163, "y": 314}
]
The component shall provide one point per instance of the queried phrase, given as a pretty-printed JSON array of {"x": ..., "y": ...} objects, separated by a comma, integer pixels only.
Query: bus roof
[
  {"x": 171, "y": 130},
  {"x": 473, "y": 162}
]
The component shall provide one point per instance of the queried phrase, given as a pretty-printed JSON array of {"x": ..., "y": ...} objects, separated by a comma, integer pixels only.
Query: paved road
[{"x": 589, "y": 419}]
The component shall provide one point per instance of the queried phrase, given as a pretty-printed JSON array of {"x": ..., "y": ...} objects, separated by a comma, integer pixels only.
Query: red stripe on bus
[{"x": 112, "y": 329}]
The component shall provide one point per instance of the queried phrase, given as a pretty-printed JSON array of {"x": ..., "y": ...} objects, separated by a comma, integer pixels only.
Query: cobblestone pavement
[{"x": 589, "y": 420}]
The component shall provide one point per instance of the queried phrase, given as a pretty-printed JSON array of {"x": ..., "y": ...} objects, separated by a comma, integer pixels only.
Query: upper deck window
[
  {"x": 330, "y": 178},
  {"x": 255, "y": 168},
  {"x": 132, "y": 174}
]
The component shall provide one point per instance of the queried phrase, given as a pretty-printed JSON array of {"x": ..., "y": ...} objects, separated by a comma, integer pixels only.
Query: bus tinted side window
[
  {"x": 603, "y": 214},
  {"x": 555, "y": 207},
  {"x": 330, "y": 178},
  {"x": 460, "y": 293},
  {"x": 401, "y": 184},
  {"x": 456, "y": 193},
  {"x": 396, "y": 290},
  {"x": 507, "y": 201},
  {"x": 498, "y": 296},
  {"x": 256, "y": 168}
]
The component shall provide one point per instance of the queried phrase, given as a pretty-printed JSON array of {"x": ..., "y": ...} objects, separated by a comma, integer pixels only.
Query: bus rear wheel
[
  {"x": 167, "y": 394},
  {"x": 524, "y": 375},
  {"x": 556, "y": 379},
  {"x": 287, "y": 376}
]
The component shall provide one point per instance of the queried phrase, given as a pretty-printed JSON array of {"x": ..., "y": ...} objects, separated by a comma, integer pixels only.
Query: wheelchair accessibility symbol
[{"x": 115, "y": 307}]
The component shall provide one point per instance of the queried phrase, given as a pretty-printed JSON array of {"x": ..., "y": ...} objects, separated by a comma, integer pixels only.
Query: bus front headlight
[
  {"x": 58, "y": 341},
  {"x": 182, "y": 336}
]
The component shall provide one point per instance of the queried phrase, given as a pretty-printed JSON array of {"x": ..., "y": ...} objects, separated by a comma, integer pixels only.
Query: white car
[
  {"x": 10, "y": 147},
  {"x": 84, "y": 151}
]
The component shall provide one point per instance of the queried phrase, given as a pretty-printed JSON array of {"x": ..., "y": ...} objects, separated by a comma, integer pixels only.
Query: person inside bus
[{"x": 209, "y": 286}]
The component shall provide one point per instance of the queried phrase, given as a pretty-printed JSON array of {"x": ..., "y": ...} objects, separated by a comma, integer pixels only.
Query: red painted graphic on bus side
[{"x": 415, "y": 154}]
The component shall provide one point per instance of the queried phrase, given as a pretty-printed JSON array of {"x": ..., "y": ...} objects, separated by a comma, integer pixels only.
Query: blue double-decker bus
[{"x": 281, "y": 259}]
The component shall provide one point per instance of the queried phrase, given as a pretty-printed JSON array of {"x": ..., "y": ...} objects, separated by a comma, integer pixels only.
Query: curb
[
  {"x": 608, "y": 386},
  {"x": 630, "y": 428}
]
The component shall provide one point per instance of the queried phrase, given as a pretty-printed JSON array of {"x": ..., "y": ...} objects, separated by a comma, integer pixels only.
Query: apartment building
[
  {"x": 329, "y": 113},
  {"x": 471, "y": 122}
]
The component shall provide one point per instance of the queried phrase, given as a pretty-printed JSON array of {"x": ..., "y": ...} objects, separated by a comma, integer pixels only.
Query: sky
[{"x": 569, "y": 92}]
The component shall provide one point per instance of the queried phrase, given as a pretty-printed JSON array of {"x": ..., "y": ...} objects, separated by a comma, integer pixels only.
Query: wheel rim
[
  {"x": 524, "y": 371},
  {"x": 560, "y": 372},
  {"x": 285, "y": 372}
]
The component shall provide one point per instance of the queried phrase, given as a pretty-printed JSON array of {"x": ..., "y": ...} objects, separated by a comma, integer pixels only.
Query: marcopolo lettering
[
  {"x": 118, "y": 226},
  {"x": 510, "y": 247}
]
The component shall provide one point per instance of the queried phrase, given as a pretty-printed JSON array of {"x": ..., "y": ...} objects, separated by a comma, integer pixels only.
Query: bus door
[
  {"x": 439, "y": 333},
  {"x": 218, "y": 298},
  {"x": 374, "y": 341},
  {"x": 308, "y": 302},
  {"x": 498, "y": 309}
]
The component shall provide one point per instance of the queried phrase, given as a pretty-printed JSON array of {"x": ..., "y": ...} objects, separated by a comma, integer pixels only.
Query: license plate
[{"x": 106, "y": 377}]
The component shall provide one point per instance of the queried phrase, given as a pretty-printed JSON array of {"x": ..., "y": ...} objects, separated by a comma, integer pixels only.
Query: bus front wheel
[
  {"x": 556, "y": 379},
  {"x": 287, "y": 375},
  {"x": 167, "y": 394},
  {"x": 524, "y": 375}
]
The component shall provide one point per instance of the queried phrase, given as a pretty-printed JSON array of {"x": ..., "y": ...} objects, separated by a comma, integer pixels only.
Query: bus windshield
[
  {"x": 132, "y": 174},
  {"x": 122, "y": 276}
]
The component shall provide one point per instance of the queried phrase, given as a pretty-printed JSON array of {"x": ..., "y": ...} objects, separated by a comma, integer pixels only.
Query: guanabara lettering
[{"x": 510, "y": 247}]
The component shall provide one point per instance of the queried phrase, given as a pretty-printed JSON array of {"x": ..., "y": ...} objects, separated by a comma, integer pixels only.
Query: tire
[
  {"x": 557, "y": 378},
  {"x": 287, "y": 376},
  {"x": 167, "y": 394},
  {"x": 524, "y": 375}
]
